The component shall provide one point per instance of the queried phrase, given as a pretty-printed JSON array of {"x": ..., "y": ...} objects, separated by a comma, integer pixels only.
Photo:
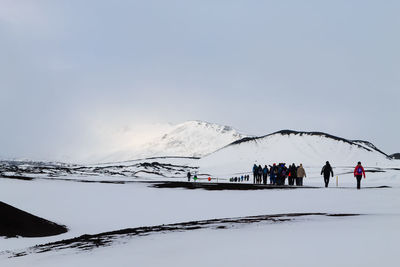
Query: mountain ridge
[{"x": 358, "y": 143}]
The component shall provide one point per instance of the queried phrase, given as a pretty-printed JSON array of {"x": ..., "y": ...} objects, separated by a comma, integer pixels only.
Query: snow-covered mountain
[
  {"x": 188, "y": 139},
  {"x": 309, "y": 148}
]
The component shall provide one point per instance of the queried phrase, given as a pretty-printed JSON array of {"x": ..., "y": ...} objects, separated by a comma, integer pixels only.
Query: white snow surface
[
  {"x": 188, "y": 139},
  {"x": 367, "y": 240},
  {"x": 89, "y": 208}
]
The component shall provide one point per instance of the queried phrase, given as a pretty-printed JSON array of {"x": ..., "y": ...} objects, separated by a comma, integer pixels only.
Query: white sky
[{"x": 78, "y": 77}]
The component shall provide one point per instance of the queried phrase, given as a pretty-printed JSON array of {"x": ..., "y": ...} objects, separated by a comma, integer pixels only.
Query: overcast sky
[{"x": 76, "y": 75}]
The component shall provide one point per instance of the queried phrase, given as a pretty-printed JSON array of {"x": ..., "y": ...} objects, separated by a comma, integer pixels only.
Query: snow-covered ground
[
  {"x": 90, "y": 208},
  {"x": 97, "y": 198}
]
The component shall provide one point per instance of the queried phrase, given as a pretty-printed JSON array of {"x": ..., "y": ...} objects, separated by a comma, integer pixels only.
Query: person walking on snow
[
  {"x": 327, "y": 170},
  {"x": 358, "y": 173},
  {"x": 265, "y": 174},
  {"x": 273, "y": 172},
  {"x": 301, "y": 173},
  {"x": 292, "y": 174},
  {"x": 254, "y": 173},
  {"x": 188, "y": 176},
  {"x": 259, "y": 174}
]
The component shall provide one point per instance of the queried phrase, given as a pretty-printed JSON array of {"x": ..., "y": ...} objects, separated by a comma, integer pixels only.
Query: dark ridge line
[
  {"x": 144, "y": 164},
  {"x": 130, "y": 160},
  {"x": 25, "y": 178},
  {"x": 223, "y": 186},
  {"x": 371, "y": 146},
  {"x": 237, "y": 186},
  {"x": 289, "y": 132},
  {"x": 88, "y": 242}
]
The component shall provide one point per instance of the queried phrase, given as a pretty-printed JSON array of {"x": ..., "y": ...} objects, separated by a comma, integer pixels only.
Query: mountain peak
[{"x": 188, "y": 139}]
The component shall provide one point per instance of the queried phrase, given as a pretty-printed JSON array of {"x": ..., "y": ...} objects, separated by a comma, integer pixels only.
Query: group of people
[
  {"x": 295, "y": 174},
  {"x": 239, "y": 179},
  {"x": 278, "y": 174}
]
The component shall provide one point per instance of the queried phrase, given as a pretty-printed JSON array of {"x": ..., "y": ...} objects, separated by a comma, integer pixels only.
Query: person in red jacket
[{"x": 358, "y": 173}]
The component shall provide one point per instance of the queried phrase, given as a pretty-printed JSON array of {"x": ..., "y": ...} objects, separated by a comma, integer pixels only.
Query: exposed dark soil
[
  {"x": 17, "y": 177},
  {"x": 223, "y": 186},
  {"x": 395, "y": 156},
  {"x": 15, "y": 222},
  {"x": 89, "y": 242}
]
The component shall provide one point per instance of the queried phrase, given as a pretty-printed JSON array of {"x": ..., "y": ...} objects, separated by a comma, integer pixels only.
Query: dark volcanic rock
[
  {"x": 395, "y": 156},
  {"x": 89, "y": 242},
  {"x": 15, "y": 222}
]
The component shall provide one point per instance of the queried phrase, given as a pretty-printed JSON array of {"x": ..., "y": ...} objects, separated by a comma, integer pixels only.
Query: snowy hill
[
  {"x": 188, "y": 139},
  {"x": 309, "y": 148}
]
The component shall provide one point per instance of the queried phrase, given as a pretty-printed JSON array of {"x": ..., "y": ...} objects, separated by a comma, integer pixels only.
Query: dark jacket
[
  {"x": 259, "y": 170},
  {"x": 327, "y": 170},
  {"x": 265, "y": 171},
  {"x": 273, "y": 171},
  {"x": 254, "y": 168},
  {"x": 293, "y": 171}
]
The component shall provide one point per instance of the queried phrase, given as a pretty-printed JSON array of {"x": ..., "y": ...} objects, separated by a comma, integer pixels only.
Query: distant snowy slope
[
  {"x": 368, "y": 145},
  {"x": 188, "y": 139},
  {"x": 309, "y": 148}
]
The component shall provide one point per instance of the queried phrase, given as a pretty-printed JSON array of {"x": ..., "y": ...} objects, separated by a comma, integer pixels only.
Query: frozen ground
[{"x": 370, "y": 239}]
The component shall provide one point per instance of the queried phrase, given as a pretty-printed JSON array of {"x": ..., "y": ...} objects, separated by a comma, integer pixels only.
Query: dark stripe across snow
[
  {"x": 89, "y": 242},
  {"x": 321, "y": 134}
]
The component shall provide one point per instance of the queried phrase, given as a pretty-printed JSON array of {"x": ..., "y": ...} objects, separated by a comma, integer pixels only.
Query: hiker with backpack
[
  {"x": 358, "y": 173},
  {"x": 301, "y": 173},
  {"x": 326, "y": 171},
  {"x": 282, "y": 172},
  {"x": 265, "y": 174}
]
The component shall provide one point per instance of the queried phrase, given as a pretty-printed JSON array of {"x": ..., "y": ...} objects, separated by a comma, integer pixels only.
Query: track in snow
[{"x": 89, "y": 242}]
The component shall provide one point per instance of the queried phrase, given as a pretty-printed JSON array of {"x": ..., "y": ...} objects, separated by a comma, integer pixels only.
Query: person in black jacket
[
  {"x": 259, "y": 174},
  {"x": 282, "y": 173},
  {"x": 273, "y": 173},
  {"x": 292, "y": 174},
  {"x": 265, "y": 174},
  {"x": 254, "y": 173},
  {"x": 327, "y": 171}
]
